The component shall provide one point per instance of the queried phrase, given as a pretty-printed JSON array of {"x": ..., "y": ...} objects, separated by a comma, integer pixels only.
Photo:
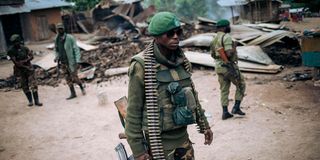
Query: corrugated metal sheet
[
  {"x": 127, "y": 1},
  {"x": 228, "y": 3},
  {"x": 5, "y": 10},
  {"x": 30, "y": 5}
]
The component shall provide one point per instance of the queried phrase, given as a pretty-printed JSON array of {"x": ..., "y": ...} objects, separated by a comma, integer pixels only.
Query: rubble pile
[
  {"x": 284, "y": 55},
  {"x": 119, "y": 32},
  {"x": 9, "y": 82},
  {"x": 112, "y": 56}
]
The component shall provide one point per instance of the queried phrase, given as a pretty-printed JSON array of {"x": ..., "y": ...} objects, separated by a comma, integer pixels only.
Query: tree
[{"x": 188, "y": 9}]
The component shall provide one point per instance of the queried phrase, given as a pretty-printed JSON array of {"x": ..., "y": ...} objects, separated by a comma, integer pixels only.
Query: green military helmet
[
  {"x": 60, "y": 25},
  {"x": 15, "y": 38},
  {"x": 223, "y": 23},
  {"x": 163, "y": 22}
]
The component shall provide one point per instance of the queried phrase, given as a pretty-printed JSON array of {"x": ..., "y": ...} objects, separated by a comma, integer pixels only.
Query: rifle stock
[
  {"x": 223, "y": 55},
  {"x": 121, "y": 105}
]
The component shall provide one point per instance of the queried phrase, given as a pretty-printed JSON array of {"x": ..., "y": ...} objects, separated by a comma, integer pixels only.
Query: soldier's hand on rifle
[
  {"x": 144, "y": 156},
  {"x": 208, "y": 136}
]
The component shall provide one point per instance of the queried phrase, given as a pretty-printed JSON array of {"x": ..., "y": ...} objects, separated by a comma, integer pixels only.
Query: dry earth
[{"x": 282, "y": 122}]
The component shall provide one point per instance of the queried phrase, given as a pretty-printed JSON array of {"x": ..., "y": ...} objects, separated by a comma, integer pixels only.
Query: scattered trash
[
  {"x": 9, "y": 82},
  {"x": 86, "y": 71},
  {"x": 316, "y": 83},
  {"x": 102, "y": 97},
  {"x": 298, "y": 77}
]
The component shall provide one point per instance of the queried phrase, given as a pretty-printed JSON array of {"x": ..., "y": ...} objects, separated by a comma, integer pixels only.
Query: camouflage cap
[
  {"x": 60, "y": 25},
  {"x": 223, "y": 23},
  {"x": 163, "y": 22},
  {"x": 15, "y": 38}
]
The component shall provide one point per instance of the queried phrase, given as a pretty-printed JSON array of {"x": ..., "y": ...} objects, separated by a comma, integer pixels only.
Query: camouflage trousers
[
  {"x": 70, "y": 77},
  {"x": 225, "y": 83},
  {"x": 184, "y": 152},
  {"x": 28, "y": 81}
]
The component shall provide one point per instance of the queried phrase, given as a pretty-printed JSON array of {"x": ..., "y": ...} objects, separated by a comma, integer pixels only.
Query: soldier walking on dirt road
[
  {"x": 223, "y": 50},
  {"x": 68, "y": 57},
  {"x": 21, "y": 56},
  {"x": 162, "y": 100}
]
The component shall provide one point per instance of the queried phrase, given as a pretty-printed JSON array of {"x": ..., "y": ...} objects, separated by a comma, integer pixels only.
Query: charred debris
[{"x": 118, "y": 31}]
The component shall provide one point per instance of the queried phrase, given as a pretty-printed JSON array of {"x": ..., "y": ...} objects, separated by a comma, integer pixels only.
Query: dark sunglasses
[{"x": 172, "y": 32}]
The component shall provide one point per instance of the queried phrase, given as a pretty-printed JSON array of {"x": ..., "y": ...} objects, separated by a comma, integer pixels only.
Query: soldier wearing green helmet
[
  {"x": 162, "y": 100},
  {"x": 21, "y": 56},
  {"x": 223, "y": 50}
]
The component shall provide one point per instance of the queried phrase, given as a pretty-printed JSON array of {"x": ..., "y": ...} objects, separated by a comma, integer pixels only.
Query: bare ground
[{"x": 282, "y": 122}]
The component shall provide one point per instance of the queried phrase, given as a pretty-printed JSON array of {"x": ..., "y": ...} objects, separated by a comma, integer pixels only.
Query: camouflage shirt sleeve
[
  {"x": 134, "y": 117},
  {"x": 227, "y": 41},
  {"x": 201, "y": 119}
]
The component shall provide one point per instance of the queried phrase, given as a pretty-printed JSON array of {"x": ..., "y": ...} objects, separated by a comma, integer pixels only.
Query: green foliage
[
  {"x": 187, "y": 9},
  {"x": 313, "y": 5},
  {"x": 83, "y": 5}
]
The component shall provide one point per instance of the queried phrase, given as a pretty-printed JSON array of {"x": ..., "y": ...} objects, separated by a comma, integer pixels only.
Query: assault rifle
[
  {"x": 121, "y": 105},
  {"x": 232, "y": 71},
  {"x": 122, "y": 154}
]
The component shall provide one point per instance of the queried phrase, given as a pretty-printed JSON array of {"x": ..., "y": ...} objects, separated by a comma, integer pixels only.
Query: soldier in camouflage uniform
[
  {"x": 21, "y": 56},
  {"x": 175, "y": 95},
  {"x": 228, "y": 72},
  {"x": 68, "y": 57}
]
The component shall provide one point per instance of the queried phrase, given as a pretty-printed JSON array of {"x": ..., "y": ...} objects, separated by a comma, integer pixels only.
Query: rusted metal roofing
[{"x": 30, "y": 5}]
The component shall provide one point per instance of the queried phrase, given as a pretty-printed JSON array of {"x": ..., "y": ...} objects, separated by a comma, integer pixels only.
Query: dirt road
[{"x": 282, "y": 122}]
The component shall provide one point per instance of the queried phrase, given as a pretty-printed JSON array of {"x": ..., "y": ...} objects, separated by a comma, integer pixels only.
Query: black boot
[
  {"x": 73, "y": 93},
  {"x": 236, "y": 109},
  {"x": 83, "y": 91},
  {"x": 29, "y": 97},
  {"x": 225, "y": 113},
  {"x": 36, "y": 98}
]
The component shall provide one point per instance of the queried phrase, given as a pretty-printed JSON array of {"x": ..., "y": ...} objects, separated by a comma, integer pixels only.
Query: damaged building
[
  {"x": 29, "y": 18},
  {"x": 254, "y": 11}
]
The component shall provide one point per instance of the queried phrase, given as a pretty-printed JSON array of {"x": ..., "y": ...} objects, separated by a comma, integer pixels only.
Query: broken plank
[
  {"x": 116, "y": 71},
  {"x": 80, "y": 44},
  {"x": 82, "y": 26},
  {"x": 86, "y": 47}
]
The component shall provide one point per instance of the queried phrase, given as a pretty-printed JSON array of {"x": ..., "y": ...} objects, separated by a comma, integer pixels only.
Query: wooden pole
[
  {"x": 232, "y": 15},
  {"x": 255, "y": 9},
  {"x": 270, "y": 10},
  {"x": 251, "y": 12}
]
